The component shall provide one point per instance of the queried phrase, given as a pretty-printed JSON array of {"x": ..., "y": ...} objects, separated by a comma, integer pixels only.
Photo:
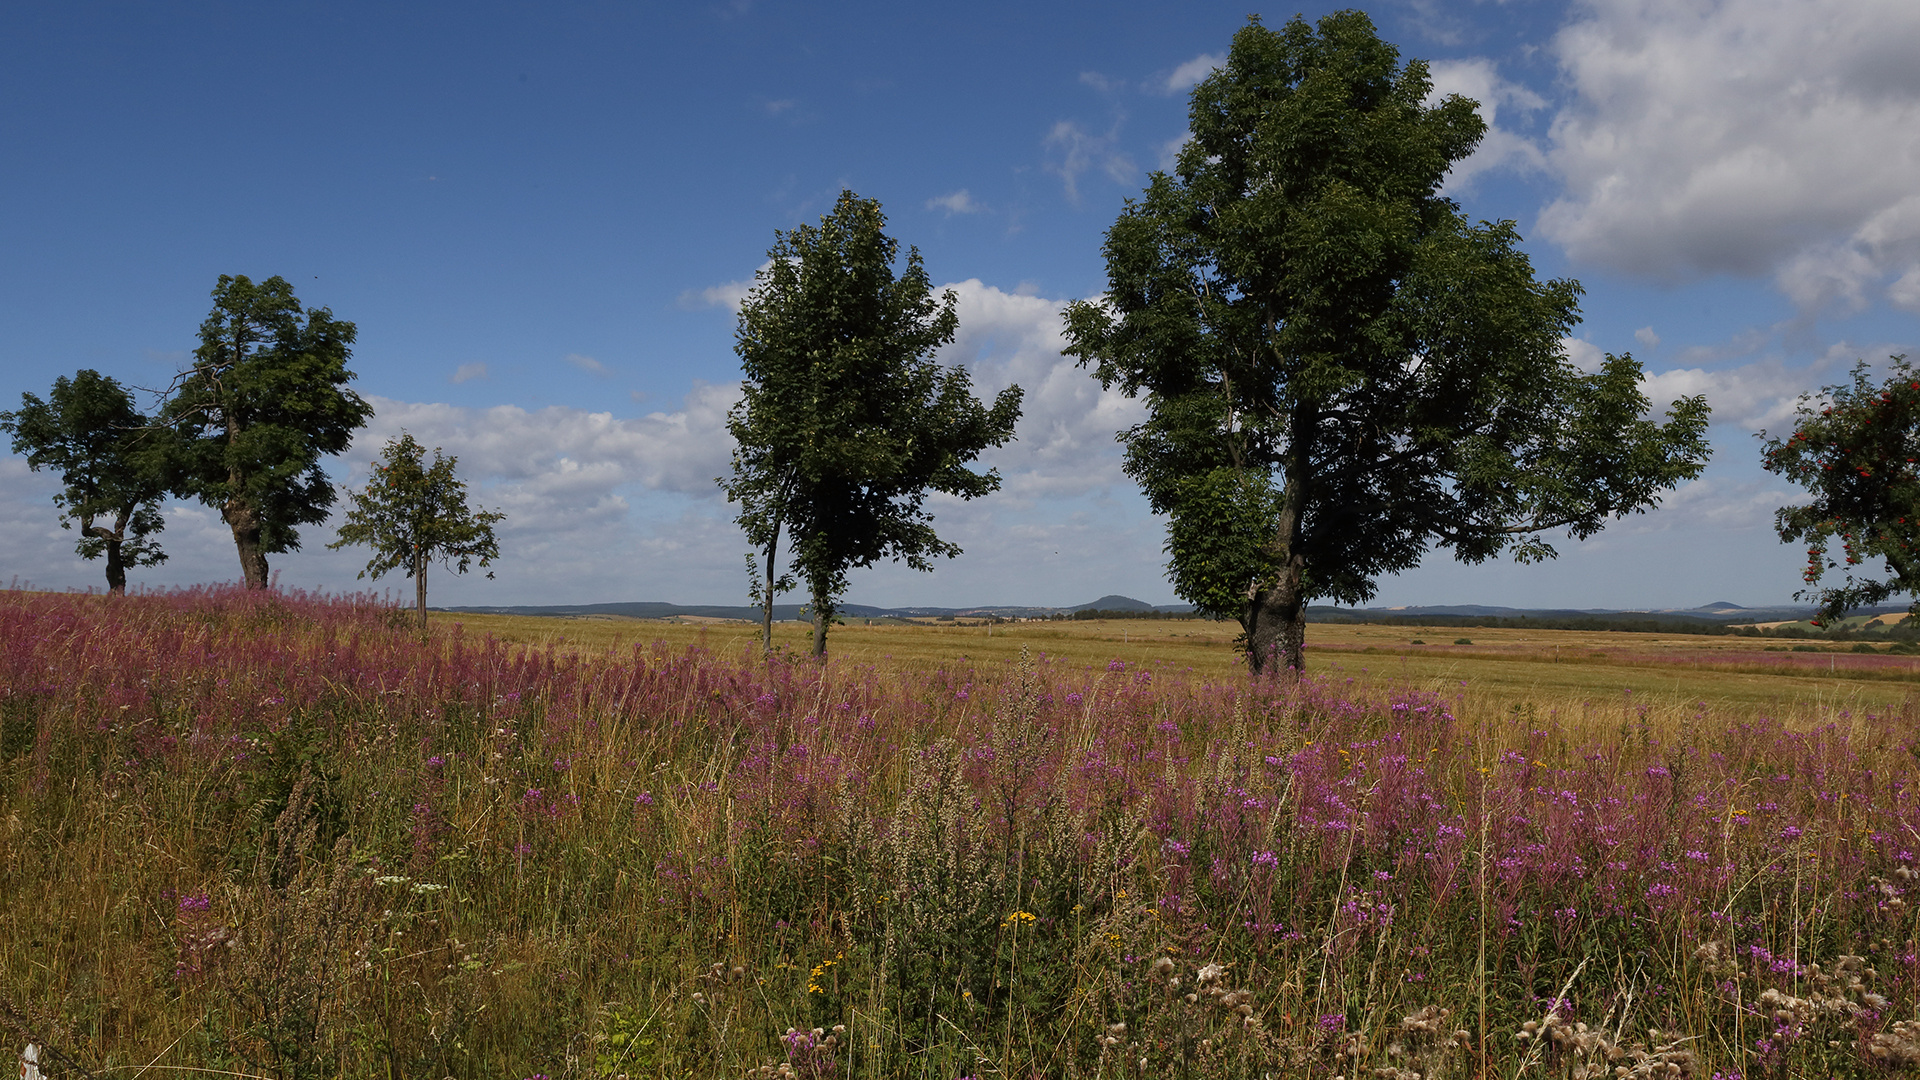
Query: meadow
[{"x": 294, "y": 836}]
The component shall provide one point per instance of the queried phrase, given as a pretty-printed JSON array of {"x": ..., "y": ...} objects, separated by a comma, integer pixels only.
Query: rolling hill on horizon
[{"x": 1721, "y": 612}]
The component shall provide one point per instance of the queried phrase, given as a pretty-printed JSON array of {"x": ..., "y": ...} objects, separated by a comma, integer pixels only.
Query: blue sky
[{"x": 540, "y": 216}]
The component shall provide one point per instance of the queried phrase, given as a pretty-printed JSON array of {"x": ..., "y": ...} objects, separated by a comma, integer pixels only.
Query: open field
[
  {"x": 1545, "y": 668},
  {"x": 280, "y": 836}
]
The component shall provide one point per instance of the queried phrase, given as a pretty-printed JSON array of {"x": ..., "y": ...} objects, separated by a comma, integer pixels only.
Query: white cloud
[
  {"x": 1075, "y": 151},
  {"x": 1718, "y": 503},
  {"x": 1647, "y": 338},
  {"x": 1190, "y": 73},
  {"x": 1500, "y": 148},
  {"x": 1064, "y": 445},
  {"x": 1905, "y": 292},
  {"x": 1742, "y": 136},
  {"x": 958, "y": 202},
  {"x": 1584, "y": 355},
  {"x": 1753, "y": 396},
  {"x": 468, "y": 373},
  {"x": 587, "y": 364},
  {"x": 1099, "y": 82},
  {"x": 729, "y": 295},
  {"x": 198, "y": 544},
  {"x": 606, "y": 507},
  {"x": 563, "y": 453}
]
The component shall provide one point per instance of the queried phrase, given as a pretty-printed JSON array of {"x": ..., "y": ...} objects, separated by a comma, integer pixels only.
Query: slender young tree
[
  {"x": 89, "y": 431},
  {"x": 247, "y": 424},
  {"x": 412, "y": 513},
  {"x": 845, "y": 421},
  {"x": 1340, "y": 371},
  {"x": 1854, "y": 448}
]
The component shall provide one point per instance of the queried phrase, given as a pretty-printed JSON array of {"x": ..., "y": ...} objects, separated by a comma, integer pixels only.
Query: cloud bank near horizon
[{"x": 601, "y": 506}]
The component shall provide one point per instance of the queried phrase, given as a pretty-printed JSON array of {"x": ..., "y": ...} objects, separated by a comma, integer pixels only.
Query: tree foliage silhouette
[
  {"x": 89, "y": 432},
  {"x": 247, "y": 424},
  {"x": 846, "y": 421},
  {"x": 412, "y": 513},
  {"x": 1854, "y": 448},
  {"x": 1340, "y": 371}
]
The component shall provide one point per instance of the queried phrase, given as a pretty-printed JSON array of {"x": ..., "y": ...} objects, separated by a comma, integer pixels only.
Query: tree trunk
[
  {"x": 242, "y": 516},
  {"x": 245, "y": 523},
  {"x": 1276, "y": 625},
  {"x": 822, "y": 615},
  {"x": 766, "y": 632},
  {"x": 116, "y": 567},
  {"x": 420, "y": 584},
  {"x": 1276, "y": 619},
  {"x": 116, "y": 570}
]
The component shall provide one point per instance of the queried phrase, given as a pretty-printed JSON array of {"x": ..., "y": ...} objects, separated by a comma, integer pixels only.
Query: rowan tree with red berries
[{"x": 1854, "y": 446}]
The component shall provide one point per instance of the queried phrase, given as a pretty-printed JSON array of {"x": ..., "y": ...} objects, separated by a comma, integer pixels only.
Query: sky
[{"x": 542, "y": 217}]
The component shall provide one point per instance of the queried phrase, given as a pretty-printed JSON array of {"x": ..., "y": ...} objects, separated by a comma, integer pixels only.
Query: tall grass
[{"x": 281, "y": 835}]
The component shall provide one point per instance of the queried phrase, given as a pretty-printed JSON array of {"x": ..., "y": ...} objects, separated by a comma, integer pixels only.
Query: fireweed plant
[{"x": 287, "y": 835}]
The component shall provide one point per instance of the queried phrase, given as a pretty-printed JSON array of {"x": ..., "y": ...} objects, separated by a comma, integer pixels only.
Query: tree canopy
[
  {"x": 264, "y": 400},
  {"x": 89, "y": 432},
  {"x": 412, "y": 514},
  {"x": 1854, "y": 448},
  {"x": 1340, "y": 370},
  {"x": 846, "y": 421}
]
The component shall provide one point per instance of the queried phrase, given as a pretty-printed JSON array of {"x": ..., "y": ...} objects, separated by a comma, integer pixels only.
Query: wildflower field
[{"x": 266, "y": 834}]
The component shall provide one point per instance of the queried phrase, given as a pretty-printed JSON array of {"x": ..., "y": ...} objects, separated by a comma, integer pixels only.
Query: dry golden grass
[{"x": 1566, "y": 670}]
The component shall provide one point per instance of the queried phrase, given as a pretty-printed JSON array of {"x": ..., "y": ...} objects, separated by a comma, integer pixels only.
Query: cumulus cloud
[
  {"x": 1190, "y": 73},
  {"x": 565, "y": 454},
  {"x": 729, "y": 295},
  {"x": 596, "y": 505},
  {"x": 1719, "y": 504},
  {"x": 199, "y": 546},
  {"x": 1074, "y": 150},
  {"x": 1751, "y": 137},
  {"x": 1584, "y": 355},
  {"x": 467, "y": 373},
  {"x": 1500, "y": 148},
  {"x": 1905, "y": 293},
  {"x": 1752, "y": 396},
  {"x": 1064, "y": 446},
  {"x": 958, "y": 202},
  {"x": 1647, "y": 338}
]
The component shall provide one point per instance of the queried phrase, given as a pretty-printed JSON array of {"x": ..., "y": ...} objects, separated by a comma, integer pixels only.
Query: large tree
[
  {"x": 1854, "y": 448},
  {"x": 846, "y": 421},
  {"x": 265, "y": 399},
  {"x": 413, "y": 513},
  {"x": 1340, "y": 370},
  {"x": 89, "y": 432}
]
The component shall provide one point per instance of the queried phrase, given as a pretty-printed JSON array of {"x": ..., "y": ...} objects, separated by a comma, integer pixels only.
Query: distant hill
[
  {"x": 791, "y": 612},
  {"x": 1115, "y": 602},
  {"x": 1717, "y": 614}
]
